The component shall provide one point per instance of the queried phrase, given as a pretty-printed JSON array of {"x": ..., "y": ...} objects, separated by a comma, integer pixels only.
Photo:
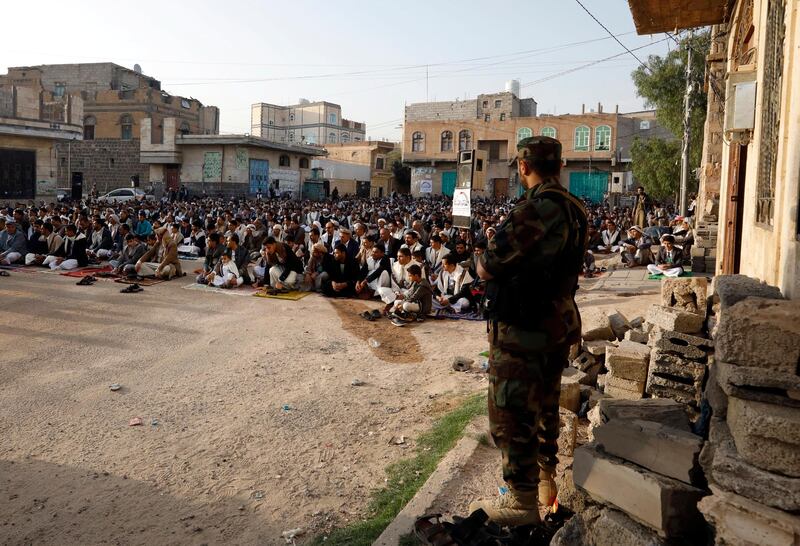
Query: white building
[{"x": 314, "y": 123}]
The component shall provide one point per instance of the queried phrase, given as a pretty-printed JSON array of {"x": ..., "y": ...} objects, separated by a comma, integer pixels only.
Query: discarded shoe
[
  {"x": 86, "y": 281},
  {"x": 132, "y": 289},
  {"x": 511, "y": 509}
]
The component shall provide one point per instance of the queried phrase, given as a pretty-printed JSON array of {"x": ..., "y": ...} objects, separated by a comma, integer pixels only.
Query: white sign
[
  {"x": 288, "y": 180},
  {"x": 426, "y": 185},
  {"x": 461, "y": 203}
]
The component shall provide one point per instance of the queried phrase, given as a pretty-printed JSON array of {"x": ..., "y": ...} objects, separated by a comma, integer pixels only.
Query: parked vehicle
[{"x": 125, "y": 194}]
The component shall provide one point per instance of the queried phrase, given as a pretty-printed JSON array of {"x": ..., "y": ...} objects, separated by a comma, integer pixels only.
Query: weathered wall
[
  {"x": 46, "y": 166},
  {"x": 107, "y": 163}
]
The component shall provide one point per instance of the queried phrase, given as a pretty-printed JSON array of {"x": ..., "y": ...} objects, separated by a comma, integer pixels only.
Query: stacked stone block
[{"x": 752, "y": 457}]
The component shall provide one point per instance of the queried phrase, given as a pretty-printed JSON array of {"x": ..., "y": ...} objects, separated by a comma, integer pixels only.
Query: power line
[{"x": 612, "y": 35}]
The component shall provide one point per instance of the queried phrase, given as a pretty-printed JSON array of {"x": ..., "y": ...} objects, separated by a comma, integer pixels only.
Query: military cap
[{"x": 542, "y": 148}]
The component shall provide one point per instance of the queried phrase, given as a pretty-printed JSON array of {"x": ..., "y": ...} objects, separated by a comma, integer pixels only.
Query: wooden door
[
  {"x": 501, "y": 187},
  {"x": 734, "y": 211},
  {"x": 172, "y": 177}
]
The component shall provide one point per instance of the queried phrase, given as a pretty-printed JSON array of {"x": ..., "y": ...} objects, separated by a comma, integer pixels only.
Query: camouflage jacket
[{"x": 532, "y": 260}]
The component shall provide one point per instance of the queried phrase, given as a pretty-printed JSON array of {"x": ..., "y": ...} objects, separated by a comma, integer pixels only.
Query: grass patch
[{"x": 406, "y": 476}]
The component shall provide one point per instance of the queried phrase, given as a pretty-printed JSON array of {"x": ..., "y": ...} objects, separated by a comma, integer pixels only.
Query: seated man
[
  {"x": 376, "y": 272},
  {"x": 240, "y": 255},
  {"x": 49, "y": 242},
  {"x": 101, "y": 245},
  {"x": 399, "y": 278},
  {"x": 195, "y": 243},
  {"x": 595, "y": 241},
  {"x": 669, "y": 260},
  {"x": 71, "y": 253},
  {"x": 452, "y": 289},
  {"x": 416, "y": 302},
  {"x": 635, "y": 249},
  {"x": 418, "y": 257},
  {"x": 214, "y": 252},
  {"x": 318, "y": 262},
  {"x": 611, "y": 238},
  {"x": 161, "y": 260},
  {"x": 226, "y": 274},
  {"x": 434, "y": 255},
  {"x": 285, "y": 267},
  {"x": 125, "y": 263},
  {"x": 342, "y": 274},
  {"x": 13, "y": 246}
]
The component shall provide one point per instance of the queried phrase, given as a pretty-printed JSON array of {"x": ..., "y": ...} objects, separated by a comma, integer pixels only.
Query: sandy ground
[{"x": 218, "y": 459}]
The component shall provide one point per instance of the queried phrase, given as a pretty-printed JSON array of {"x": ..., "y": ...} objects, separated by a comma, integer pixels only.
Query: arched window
[
  {"x": 524, "y": 132},
  {"x": 332, "y": 138},
  {"x": 602, "y": 138},
  {"x": 284, "y": 161},
  {"x": 303, "y": 162},
  {"x": 126, "y": 127},
  {"x": 447, "y": 141},
  {"x": 184, "y": 129},
  {"x": 549, "y": 132},
  {"x": 88, "y": 127},
  {"x": 418, "y": 142},
  {"x": 345, "y": 137},
  {"x": 464, "y": 140},
  {"x": 582, "y": 138}
]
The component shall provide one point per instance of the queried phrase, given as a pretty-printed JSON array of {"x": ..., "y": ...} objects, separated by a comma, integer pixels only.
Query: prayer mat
[
  {"x": 447, "y": 314},
  {"x": 660, "y": 277},
  {"x": 78, "y": 273},
  {"x": 238, "y": 291},
  {"x": 11, "y": 267},
  {"x": 294, "y": 295},
  {"x": 143, "y": 282}
]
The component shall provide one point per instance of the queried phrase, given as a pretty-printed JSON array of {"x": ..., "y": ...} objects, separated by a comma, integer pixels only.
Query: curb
[{"x": 448, "y": 469}]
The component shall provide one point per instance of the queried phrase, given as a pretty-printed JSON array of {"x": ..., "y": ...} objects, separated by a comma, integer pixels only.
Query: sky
[{"x": 371, "y": 58}]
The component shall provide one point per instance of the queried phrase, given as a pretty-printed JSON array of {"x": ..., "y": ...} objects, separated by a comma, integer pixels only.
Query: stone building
[
  {"x": 358, "y": 168},
  {"x": 223, "y": 164},
  {"x": 596, "y": 144},
  {"x": 33, "y": 122},
  {"x": 116, "y": 100},
  {"x": 308, "y": 123},
  {"x": 754, "y": 60}
]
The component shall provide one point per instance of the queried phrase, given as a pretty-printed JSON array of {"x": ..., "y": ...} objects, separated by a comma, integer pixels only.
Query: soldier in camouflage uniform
[{"x": 532, "y": 268}]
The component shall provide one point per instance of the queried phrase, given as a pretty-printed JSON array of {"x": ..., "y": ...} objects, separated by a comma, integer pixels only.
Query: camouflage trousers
[{"x": 524, "y": 388}]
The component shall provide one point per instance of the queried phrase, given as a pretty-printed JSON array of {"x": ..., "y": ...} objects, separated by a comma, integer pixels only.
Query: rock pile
[{"x": 752, "y": 457}]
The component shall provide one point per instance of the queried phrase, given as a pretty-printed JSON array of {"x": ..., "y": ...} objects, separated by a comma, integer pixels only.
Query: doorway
[
  {"x": 77, "y": 186},
  {"x": 172, "y": 177},
  {"x": 500, "y": 187},
  {"x": 734, "y": 214}
]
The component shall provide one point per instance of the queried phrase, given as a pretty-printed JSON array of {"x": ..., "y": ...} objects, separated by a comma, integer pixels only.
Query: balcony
[{"x": 656, "y": 16}]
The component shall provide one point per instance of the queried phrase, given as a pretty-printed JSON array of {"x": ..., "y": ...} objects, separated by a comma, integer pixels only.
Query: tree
[
  {"x": 402, "y": 174},
  {"x": 663, "y": 84},
  {"x": 657, "y": 165}
]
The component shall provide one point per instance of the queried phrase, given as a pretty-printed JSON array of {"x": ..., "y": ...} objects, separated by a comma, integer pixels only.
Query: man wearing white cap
[{"x": 635, "y": 249}]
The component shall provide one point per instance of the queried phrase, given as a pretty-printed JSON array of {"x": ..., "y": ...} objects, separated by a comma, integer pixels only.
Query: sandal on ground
[
  {"x": 132, "y": 289},
  {"x": 366, "y": 315},
  {"x": 86, "y": 281},
  {"x": 432, "y": 531},
  {"x": 5, "y": 274},
  {"x": 376, "y": 314}
]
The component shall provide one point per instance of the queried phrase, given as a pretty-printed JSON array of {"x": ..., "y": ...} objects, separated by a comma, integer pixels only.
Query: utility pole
[
  {"x": 426, "y": 83},
  {"x": 687, "y": 114}
]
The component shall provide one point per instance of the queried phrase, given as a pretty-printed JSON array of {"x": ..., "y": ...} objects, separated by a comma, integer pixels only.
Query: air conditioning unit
[{"x": 740, "y": 109}]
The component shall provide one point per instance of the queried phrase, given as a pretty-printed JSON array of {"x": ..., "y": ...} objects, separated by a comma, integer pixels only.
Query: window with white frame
[
  {"x": 332, "y": 117},
  {"x": 549, "y": 132},
  {"x": 602, "y": 138},
  {"x": 418, "y": 142},
  {"x": 524, "y": 132},
  {"x": 581, "y": 140},
  {"x": 332, "y": 138},
  {"x": 447, "y": 141},
  {"x": 464, "y": 140}
]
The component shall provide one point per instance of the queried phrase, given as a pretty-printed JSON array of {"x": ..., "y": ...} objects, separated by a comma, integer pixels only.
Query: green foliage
[
  {"x": 405, "y": 477},
  {"x": 663, "y": 85},
  {"x": 657, "y": 165}
]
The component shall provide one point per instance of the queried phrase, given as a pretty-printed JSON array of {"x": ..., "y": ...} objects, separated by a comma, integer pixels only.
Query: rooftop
[{"x": 245, "y": 140}]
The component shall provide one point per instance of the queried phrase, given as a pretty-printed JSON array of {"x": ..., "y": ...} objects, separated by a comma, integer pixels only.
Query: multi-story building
[
  {"x": 308, "y": 123},
  {"x": 596, "y": 144},
  {"x": 32, "y": 123},
  {"x": 116, "y": 101},
  {"x": 224, "y": 164},
  {"x": 358, "y": 168}
]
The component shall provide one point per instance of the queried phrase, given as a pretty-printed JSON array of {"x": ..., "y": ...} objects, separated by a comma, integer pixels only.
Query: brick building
[
  {"x": 116, "y": 100},
  {"x": 315, "y": 123},
  {"x": 596, "y": 144},
  {"x": 32, "y": 124},
  {"x": 358, "y": 168}
]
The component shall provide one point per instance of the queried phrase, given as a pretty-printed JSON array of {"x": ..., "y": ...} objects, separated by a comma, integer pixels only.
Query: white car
[{"x": 125, "y": 194}]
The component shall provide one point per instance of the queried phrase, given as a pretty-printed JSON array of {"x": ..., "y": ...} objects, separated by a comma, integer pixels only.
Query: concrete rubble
[{"x": 694, "y": 420}]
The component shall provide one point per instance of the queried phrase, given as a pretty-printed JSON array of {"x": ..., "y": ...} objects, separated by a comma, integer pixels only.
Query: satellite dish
[{"x": 137, "y": 68}]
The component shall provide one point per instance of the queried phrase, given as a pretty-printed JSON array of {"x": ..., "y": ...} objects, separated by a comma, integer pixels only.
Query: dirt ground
[{"x": 250, "y": 423}]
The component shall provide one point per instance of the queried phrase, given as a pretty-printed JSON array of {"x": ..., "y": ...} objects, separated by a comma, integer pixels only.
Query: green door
[
  {"x": 448, "y": 183},
  {"x": 589, "y": 185}
]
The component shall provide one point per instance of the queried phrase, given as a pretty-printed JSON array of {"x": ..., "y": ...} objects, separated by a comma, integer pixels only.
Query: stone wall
[{"x": 107, "y": 163}]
